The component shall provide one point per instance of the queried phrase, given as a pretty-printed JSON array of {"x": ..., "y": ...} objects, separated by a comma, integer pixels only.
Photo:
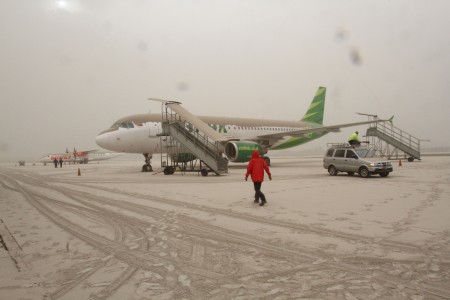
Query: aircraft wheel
[
  {"x": 204, "y": 172},
  {"x": 267, "y": 160},
  {"x": 147, "y": 168},
  {"x": 410, "y": 159}
]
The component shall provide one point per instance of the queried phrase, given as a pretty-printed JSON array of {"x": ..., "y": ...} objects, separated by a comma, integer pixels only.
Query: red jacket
[{"x": 256, "y": 167}]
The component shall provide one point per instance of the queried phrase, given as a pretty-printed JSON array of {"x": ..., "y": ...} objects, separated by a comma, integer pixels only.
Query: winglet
[{"x": 391, "y": 120}]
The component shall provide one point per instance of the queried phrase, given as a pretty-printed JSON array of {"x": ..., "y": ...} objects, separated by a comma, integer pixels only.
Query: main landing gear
[{"x": 147, "y": 167}]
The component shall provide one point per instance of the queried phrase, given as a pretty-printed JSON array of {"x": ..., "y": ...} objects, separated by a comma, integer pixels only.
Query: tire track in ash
[
  {"x": 197, "y": 271},
  {"x": 366, "y": 242},
  {"x": 119, "y": 237},
  {"x": 391, "y": 279},
  {"x": 133, "y": 258},
  {"x": 351, "y": 238},
  {"x": 230, "y": 236},
  {"x": 205, "y": 273},
  {"x": 341, "y": 267},
  {"x": 189, "y": 226},
  {"x": 378, "y": 261}
]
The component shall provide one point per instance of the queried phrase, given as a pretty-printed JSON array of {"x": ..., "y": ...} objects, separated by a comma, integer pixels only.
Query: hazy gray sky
[{"x": 69, "y": 69}]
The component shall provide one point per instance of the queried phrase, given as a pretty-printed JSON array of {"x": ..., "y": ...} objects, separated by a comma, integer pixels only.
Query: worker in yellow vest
[{"x": 353, "y": 140}]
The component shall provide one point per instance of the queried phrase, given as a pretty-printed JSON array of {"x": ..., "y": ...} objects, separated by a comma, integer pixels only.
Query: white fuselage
[{"x": 128, "y": 137}]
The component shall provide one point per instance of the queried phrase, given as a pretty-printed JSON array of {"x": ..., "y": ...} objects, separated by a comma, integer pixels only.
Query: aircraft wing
[
  {"x": 318, "y": 128},
  {"x": 202, "y": 126}
]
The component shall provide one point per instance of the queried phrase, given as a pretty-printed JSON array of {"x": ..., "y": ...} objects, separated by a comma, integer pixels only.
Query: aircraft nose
[{"x": 102, "y": 140}]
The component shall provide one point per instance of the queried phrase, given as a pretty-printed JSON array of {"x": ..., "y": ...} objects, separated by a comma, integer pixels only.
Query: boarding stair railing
[
  {"x": 192, "y": 140},
  {"x": 397, "y": 138}
]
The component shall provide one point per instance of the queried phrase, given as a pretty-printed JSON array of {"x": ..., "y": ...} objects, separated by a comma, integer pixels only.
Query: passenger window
[
  {"x": 339, "y": 153},
  {"x": 351, "y": 154},
  {"x": 330, "y": 152}
]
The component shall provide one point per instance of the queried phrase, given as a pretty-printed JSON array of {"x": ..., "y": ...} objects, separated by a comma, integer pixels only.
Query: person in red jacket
[{"x": 255, "y": 168}]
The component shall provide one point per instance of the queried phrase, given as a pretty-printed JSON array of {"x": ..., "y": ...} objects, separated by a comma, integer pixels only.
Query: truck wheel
[
  {"x": 332, "y": 171},
  {"x": 168, "y": 170},
  {"x": 364, "y": 172},
  {"x": 351, "y": 173}
]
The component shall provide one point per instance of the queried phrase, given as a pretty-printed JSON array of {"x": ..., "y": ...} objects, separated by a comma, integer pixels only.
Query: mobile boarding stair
[
  {"x": 392, "y": 139},
  {"x": 186, "y": 138}
]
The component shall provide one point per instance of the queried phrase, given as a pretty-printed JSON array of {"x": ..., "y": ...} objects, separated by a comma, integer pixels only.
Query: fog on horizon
[{"x": 69, "y": 69}]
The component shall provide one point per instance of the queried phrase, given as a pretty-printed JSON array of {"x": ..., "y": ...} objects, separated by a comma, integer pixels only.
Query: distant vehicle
[
  {"x": 21, "y": 163},
  {"x": 344, "y": 158},
  {"x": 80, "y": 157}
]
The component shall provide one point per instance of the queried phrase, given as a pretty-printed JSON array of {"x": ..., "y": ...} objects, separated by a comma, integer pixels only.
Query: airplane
[
  {"x": 81, "y": 157},
  {"x": 141, "y": 133}
]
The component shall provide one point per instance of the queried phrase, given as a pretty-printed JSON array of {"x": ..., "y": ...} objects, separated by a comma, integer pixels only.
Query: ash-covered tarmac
[{"x": 117, "y": 233}]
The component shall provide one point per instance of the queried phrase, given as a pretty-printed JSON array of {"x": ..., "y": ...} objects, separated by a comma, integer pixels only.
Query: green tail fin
[{"x": 315, "y": 109}]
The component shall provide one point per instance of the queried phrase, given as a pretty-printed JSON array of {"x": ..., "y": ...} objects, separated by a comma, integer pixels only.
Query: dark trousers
[{"x": 258, "y": 193}]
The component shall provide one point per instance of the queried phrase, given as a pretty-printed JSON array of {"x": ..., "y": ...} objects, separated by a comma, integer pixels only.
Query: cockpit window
[{"x": 123, "y": 125}]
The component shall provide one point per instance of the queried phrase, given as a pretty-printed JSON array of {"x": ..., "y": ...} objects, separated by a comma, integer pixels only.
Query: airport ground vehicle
[{"x": 344, "y": 158}]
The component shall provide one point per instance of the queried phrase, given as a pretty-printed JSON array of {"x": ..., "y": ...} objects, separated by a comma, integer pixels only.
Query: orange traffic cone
[
  {"x": 400, "y": 163},
  {"x": 79, "y": 172}
]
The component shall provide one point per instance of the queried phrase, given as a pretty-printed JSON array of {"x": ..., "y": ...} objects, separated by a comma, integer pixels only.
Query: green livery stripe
[
  {"x": 316, "y": 108},
  {"x": 309, "y": 115},
  {"x": 312, "y": 105}
]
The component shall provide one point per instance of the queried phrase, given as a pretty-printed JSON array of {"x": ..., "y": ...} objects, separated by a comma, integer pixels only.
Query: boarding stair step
[
  {"x": 198, "y": 144},
  {"x": 397, "y": 138}
]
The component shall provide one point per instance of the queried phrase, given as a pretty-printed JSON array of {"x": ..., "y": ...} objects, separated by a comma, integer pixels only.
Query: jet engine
[{"x": 241, "y": 151}]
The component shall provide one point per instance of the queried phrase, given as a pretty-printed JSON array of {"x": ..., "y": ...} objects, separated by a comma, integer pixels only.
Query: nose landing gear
[{"x": 147, "y": 167}]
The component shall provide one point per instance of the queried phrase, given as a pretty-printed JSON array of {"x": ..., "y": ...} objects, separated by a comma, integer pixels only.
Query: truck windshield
[{"x": 365, "y": 152}]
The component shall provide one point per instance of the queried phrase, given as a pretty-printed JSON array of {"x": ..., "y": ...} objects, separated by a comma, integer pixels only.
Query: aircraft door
[{"x": 153, "y": 129}]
